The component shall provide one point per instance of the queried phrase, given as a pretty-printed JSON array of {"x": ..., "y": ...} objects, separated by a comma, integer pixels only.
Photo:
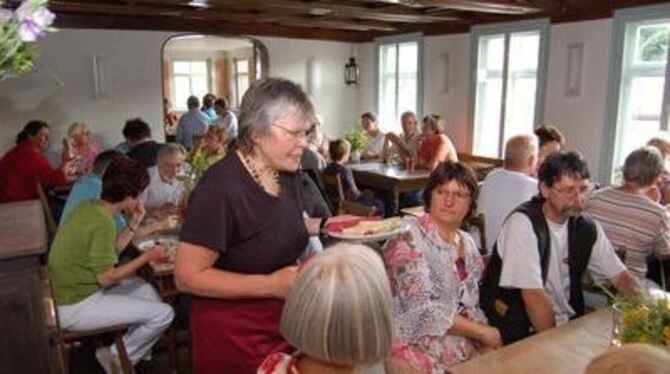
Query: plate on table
[
  {"x": 371, "y": 230},
  {"x": 169, "y": 243}
]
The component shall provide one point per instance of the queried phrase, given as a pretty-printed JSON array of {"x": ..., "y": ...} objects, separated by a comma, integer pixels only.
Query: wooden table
[
  {"x": 26, "y": 311},
  {"x": 566, "y": 349},
  {"x": 394, "y": 178}
]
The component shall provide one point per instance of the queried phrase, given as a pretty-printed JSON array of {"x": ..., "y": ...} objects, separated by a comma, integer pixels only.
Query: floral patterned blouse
[{"x": 430, "y": 286}]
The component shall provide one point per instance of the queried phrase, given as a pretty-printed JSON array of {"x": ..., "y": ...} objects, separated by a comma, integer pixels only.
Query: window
[
  {"x": 640, "y": 104},
  {"x": 190, "y": 78},
  {"x": 508, "y": 83},
  {"x": 241, "y": 79},
  {"x": 399, "y": 83}
]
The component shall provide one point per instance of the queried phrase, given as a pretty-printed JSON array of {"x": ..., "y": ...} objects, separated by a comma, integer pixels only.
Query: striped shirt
[{"x": 636, "y": 226}]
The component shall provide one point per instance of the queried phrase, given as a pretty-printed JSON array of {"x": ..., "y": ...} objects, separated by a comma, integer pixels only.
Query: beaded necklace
[{"x": 256, "y": 175}]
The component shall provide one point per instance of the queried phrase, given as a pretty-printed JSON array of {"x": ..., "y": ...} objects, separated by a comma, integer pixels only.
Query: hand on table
[
  {"x": 490, "y": 337},
  {"x": 156, "y": 254}
]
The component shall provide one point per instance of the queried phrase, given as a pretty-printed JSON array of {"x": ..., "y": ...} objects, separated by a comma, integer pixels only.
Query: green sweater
[{"x": 84, "y": 246}]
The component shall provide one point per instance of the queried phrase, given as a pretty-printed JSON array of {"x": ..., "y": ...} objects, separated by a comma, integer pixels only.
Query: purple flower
[
  {"x": 5, "y": 15},
  {"x": 34, "y": 21}
]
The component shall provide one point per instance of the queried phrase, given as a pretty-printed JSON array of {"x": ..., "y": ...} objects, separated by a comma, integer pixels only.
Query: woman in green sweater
[{"x": 91, "y": 292}]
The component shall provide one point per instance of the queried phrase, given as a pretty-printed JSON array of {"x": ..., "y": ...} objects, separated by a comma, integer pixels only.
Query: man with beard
[{"x": 533, "y": 280}]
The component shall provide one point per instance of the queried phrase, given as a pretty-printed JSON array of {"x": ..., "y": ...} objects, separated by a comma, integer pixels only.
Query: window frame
[
  {"x": 507, "y": 28},
  {"x": 237, "y": 75},
  {"x": 399, "y": 39},
  {"x": 611, "y": 129},
  {"x": 208, "y": 77}
]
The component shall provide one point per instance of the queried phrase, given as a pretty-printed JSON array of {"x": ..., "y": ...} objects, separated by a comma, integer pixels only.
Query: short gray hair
[
  {"x": 266, "y": 101},
  {"x": 643, "y": 166},
  {"x": 519, "y": 149},
  {"x": 339, "y": 309},
  {"x": 170, "y": 149}
]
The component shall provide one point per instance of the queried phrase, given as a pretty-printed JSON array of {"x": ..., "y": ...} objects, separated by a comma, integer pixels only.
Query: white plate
[
  {"x": 371, "y": 237},
  {"x": 170, "y": 242}
]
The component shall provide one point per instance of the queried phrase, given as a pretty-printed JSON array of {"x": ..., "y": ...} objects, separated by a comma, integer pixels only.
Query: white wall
[
  {"x": 334, "y": 101},
  {"x": 60, "y": 90},
  {"x": 582, "y": 118},
  {"x": 447, "y": 85}
]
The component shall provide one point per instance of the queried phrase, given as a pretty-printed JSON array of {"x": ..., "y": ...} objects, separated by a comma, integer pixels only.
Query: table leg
[{"x": 396, "y": 200}]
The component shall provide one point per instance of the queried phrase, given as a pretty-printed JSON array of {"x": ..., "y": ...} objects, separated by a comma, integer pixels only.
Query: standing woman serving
[{"x": 244, "y": 231}]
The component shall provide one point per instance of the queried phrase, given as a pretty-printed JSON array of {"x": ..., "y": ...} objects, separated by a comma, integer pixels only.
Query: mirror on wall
[{"x": 207, "y": 64}]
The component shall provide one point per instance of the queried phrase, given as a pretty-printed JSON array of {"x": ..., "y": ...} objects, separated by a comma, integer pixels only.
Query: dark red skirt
[{"x": 234, "y": 336}]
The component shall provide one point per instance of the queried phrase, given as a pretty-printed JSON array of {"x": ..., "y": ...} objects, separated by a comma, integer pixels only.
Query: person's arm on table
[
  {"x": 538, "y": 306},
  {"x": 195, "y": 274},
  {"x": 115, "y": 275},
  {"x": 485, "y": 334}
]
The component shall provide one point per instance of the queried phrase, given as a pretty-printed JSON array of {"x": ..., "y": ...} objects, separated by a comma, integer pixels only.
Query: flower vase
[{"x": 355, "y": 156}]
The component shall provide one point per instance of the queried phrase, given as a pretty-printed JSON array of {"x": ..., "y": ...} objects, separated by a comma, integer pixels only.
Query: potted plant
[
  {"x": 358, "y": 142},
  {"x": 19, "y": 30},
  {"x": 645, "y": 319}
]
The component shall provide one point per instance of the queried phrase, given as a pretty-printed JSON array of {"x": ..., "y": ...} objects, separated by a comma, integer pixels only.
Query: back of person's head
[
  {"x": 208, "y": 100},
  {"x": 631, "y": 359},
  {"x": 434, "y": 122},
  {"x": 193, "y": 102},
  {"x": 519, "y": 150},
  {"x": 103, "y": 159},
  {"x": 662, "y": 144},
  {"x": 136, "y": 129},
  {"x": 267, "y": 101},
  {"x": 556, "y": 165},
  {"x": 643, "y": 166},
  {"x": 548, "y": 133},
  {"x": 124, "y": 177},
  {"x": 30, "y": 129},
  {"x": 338, "y": 148},
  {"x": 369, "y": 115},
  {"x": 221, "y": 103},
  {"x": 339, "y": 308},
  {"x": 169, "y": 150}
]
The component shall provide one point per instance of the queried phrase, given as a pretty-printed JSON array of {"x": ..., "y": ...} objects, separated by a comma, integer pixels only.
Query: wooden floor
[{"x": 84, "y": 362}]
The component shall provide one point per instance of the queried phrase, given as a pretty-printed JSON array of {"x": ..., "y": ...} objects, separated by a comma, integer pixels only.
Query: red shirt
[
  {"x": 428, "y": 148},
  {"x": 20, "y": 170}
]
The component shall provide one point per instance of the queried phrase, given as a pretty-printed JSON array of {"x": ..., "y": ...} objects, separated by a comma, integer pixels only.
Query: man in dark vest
[{"x": 533, "y": 280}]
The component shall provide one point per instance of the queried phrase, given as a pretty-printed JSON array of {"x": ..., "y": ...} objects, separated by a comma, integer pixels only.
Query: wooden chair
[
  {"x": 480, "y": 164},
  {"x": 478, "y": 222},
  {"x": 64, "y": 340},
  {"x": 52, "y": 227},
  {"x": 335, "y": 192}
]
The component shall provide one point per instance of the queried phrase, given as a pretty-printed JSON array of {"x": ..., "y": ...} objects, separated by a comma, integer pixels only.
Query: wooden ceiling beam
[
  {"x": 101, "y": 21},
  {"x": 320, "y": 7},
  {"x": 492, "y": 7}
]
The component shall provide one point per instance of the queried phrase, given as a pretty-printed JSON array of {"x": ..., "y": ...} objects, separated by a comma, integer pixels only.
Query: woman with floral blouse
[{"x": 434, "y": 269}]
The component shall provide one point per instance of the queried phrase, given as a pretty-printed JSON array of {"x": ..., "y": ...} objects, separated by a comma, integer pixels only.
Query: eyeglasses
[
  {"x": 457, "y": 195},
  {"x": 298, "y": 134},
  {"x": 573, "y": 190}
]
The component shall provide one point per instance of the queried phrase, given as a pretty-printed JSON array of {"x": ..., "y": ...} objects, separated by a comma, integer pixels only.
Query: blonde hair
[
  {"x": 631, "y": 359},
  {"x": 75, "y": 129},
  {"x": 339, "y": 309}
]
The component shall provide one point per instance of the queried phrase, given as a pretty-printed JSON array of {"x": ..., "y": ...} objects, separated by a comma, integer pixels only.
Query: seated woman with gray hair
[{"x": 338, "y": 317}]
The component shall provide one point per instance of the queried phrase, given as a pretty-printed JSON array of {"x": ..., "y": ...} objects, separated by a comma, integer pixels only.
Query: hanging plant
[{"x": 20, "y": 28}]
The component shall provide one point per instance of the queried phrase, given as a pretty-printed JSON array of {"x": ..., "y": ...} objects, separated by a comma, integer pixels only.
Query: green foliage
[
  {"x": 18, "y": 49},
  {"x": 357, "y": 139},
  {"x": 645, "y": 319}
]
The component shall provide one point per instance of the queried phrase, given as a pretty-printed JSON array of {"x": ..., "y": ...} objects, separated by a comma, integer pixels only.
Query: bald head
[{"x": 521, "y": 154}]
